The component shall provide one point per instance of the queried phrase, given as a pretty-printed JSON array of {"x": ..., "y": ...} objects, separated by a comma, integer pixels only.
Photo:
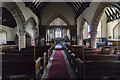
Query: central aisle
[{"x": 58, "y": 67}]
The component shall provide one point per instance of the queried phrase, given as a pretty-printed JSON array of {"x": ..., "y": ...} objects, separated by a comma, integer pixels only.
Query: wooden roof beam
[
  {"x": 108, "y": 17},
  {"x": 110, "y": 14}
]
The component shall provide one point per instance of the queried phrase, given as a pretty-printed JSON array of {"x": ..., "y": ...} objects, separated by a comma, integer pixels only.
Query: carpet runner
[{"x": 58, "y": 67}]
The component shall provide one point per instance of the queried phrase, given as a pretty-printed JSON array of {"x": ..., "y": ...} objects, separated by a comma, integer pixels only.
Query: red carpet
[{"x": 58, "y": 67}]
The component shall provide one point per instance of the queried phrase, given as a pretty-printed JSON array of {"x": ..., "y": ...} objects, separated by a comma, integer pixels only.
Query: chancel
[{"x": 74, "y": 39}]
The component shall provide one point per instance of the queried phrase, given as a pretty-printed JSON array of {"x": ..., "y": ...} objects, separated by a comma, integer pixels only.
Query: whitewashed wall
[
  {"x": 52, "y": 9},
  {"x": 110, "y": 27},
  {"x": 11, "y": 32}
]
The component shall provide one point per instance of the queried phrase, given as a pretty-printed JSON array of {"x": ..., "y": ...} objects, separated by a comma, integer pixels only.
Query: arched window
[
  {"x": 58, "y": 33},
  {"x": 116, "y": 31},
  {"x": 3, "y": 36},
  {"x": 58, "y": 22}
]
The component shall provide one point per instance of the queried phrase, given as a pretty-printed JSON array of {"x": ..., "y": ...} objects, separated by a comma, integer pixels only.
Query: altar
[{"x": 114, "y": 41}]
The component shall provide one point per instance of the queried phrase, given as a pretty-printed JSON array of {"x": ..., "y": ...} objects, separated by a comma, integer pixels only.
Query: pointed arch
[
  {"x": 60, "y": 16},
  {"x": 100, "y": 10},
  {"x": 17, "y": 14},
  {"x": 83, "y": 22},
  {"x": 117, "y": 25},
  {"x": 27, "y": 33},
  {"x": 32, "y": 21}
]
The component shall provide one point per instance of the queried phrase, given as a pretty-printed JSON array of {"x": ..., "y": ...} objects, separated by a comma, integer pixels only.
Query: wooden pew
[
  {"x": 28, "y": 53},
  {"x": 38, "y": 67},
  {"x": 14, "y": 64},
  {"x": 79, "y": 68},
  {"x": 92, "y": 53},
  {"x": 97, "y": 63},
  {"x": 97, "y": 69},
  {"x": 22, "y": 56},
  {"x": 8, "y": 47},
  {"x": 100, "y": 69}
]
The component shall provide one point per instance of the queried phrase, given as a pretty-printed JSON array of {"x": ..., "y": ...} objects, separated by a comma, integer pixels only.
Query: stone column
[
  {"x": 93, "y": 38},
  {"x": 34, "y": 38},
  {"x": 80, "y": 37},
  {"x": 22, "y": 40}
]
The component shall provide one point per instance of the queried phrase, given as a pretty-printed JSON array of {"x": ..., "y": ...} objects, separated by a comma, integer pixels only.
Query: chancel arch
[
  {"x": 58, "y": 28},
  {"x": 60, "y": 17}
]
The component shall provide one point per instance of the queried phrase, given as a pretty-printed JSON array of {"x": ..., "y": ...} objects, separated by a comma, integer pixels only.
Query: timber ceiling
[
  {"x": 6, "y": 18},
  {"x": 77, "y": 5}
]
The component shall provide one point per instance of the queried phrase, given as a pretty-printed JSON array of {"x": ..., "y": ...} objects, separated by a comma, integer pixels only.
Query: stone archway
[
  {"x": 60, "y": 16},
  {"x": 95, "y": 21},
  {"x": 17, "y": 14},
  {"x": 98, "y": 14},
  {"x": 80, "y": 36},
  {"x": 19, "y": 18},
  {"x": 31, "y": 24}
]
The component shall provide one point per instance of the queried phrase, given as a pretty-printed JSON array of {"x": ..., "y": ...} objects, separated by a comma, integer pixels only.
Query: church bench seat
[
  {"x": 79, "y": 52},
  {"x": 18, "y": 67},
  {"x": 17, "y": 57},
  {"x": 21, "y": 59},
  {"x": 102, "y": 69},
  {"x": 79, "y": 68},
  {"x": 97, "y": 69},
  {"x": 25, "y": 55},
  {"x": 8, "y": 47},
  {"x": 99, "y": 57}
]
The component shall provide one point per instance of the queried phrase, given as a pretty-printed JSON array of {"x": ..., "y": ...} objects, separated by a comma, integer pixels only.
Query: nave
[
  {"x": 58, "y": 66},
  {"x": 60, "y": 40},
  {"x": 60, "y": 62},
  {"x": 54, "y": 65}
]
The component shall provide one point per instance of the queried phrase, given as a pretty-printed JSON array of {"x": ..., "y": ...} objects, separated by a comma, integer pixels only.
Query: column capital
[{"x": 21, "y": 33}]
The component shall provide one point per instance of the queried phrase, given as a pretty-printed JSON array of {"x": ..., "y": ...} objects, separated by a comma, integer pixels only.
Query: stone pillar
[
  {"x": 34, "y": 39},
  {"x": 93, "y": 38},
  {"x": 80, "y": 37},
  {"x": 22, "y": 40}
]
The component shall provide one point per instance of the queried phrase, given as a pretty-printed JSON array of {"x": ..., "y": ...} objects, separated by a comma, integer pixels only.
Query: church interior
[{"x": 66, "y": 40}]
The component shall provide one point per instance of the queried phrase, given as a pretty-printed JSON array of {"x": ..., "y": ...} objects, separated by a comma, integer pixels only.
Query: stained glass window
[
  {"x": 58, "y": 33},
  {"x": 58, "y": 22}
]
